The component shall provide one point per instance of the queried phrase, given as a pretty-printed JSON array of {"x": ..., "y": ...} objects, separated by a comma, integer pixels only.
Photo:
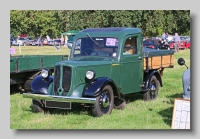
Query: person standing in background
[
  {"x": 40, "y": 41},
  {"x": 177, "y": 41},
  {"x": 48, "y": 39},
  {"x": 163, "y": 36},
  {"x": 166, "y": 35},
  {"x": 62, "y": 40},
  {"x": 17, "y": 40},
  {"x": 66, "y": 39}
]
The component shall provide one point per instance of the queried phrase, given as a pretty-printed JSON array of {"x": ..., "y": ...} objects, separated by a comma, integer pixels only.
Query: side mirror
[
  {"x": 181, "y": 61},
  {"x": 69, "y": 45}
]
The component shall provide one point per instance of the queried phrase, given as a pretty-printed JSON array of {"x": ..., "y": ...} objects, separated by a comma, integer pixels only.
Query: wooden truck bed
[{"x": 157, "y": 59}]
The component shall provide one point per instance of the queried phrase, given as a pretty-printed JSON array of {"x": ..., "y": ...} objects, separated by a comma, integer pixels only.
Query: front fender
[
  {"x": 94, "y": 88},
  {"x": 40, "y": 85}
]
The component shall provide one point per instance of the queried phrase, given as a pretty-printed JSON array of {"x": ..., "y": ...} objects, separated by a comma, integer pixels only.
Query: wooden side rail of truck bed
[{"x": 157, "y": 62}]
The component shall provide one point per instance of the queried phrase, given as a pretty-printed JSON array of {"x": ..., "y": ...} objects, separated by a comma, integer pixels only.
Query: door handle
[{"x": 139, "y": 58}]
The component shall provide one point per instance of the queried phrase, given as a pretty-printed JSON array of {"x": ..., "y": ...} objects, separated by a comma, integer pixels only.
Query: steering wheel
[{"x": 90, "y": 49}]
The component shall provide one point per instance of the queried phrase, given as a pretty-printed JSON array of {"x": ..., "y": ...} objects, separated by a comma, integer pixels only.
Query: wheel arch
[
  {"x": 94, "y": 88},
  {"x": 158, "y": 76},
  {"x": 148, "y": 76},
  {"x": 40, "y": 86}
]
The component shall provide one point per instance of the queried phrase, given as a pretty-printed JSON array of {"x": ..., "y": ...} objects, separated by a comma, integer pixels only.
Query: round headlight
[
  {"x": 44, "y": 73},
  {"x": 90, "y": 74}
]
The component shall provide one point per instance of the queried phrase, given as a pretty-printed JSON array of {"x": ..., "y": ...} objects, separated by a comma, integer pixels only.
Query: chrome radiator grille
[
  {"x": 56, "y": 79},
  {"x": 66, "y": 78}
]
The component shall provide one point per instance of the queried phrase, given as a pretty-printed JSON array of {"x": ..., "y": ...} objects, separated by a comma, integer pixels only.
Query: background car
[
  {"x": 30, "y": 41},
  {"x": 155, "y": 44},
  {"x": 12, "y": 40},
  {"x": 23, "y": 41},
  {"x": 45, "y": 42},
  {"x": 185, "y": 43},
  {"x": 171, "y": 44}
]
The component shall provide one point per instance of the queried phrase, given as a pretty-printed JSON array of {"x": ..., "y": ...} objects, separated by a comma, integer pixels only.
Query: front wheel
[
  {"x": 104, "y": 102},
  {"x": 152, "y": 92}
]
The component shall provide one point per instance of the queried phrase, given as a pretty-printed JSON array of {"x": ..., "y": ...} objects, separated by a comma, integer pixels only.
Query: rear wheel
[
  {"x": 152, "y": 92},
  {"x": 38, "y": 106},
  {"x": 104, "y": 102},
  {"x": 13, "y": 89},
  {"x": 120, "y": 106}
]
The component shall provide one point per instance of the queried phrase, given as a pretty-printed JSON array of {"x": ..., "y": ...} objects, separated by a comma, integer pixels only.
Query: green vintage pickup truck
[
  {"x": 110, "y": 64},
  {"x": 24, "y": 68}
]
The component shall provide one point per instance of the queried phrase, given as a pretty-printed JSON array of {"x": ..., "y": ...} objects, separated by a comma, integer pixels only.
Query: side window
[{"x": 130, "y": 47}]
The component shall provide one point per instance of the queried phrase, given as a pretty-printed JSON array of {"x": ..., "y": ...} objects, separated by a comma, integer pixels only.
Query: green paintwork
[
  {"x": 33, "y": 62},
  {"x": 70, "y": 34},
  {"x": 126, "y": 71}
]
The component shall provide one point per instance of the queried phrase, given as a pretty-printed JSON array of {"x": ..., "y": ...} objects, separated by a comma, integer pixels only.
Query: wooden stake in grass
[{"x": 20, "y": 49}]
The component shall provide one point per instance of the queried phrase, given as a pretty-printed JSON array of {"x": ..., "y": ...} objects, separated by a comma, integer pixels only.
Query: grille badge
[{"x": 60, "y": 91}]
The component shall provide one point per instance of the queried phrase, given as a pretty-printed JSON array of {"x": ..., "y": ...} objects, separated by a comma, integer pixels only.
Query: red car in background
[
  {"x": 185, "y": 43},
  {"x": 188, "y": 44}
]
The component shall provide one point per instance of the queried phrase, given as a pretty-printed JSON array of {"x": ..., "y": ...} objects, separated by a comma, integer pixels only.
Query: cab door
[{"x": 131, "y": 64}]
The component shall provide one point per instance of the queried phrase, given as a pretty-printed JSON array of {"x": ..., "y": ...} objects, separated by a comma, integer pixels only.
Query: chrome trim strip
[{"x": 60, "y": 98}]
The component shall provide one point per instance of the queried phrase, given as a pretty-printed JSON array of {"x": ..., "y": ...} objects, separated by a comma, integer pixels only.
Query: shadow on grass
[
  {"x": 133, "y": 97},
  {"x": 167, "y": 113},
  {"x": 77, "y": 109},
  {"x": 80, "y": 109}
]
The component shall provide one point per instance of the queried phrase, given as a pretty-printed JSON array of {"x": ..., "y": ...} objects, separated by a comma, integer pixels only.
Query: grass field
[{"x": 137, "y": 114}]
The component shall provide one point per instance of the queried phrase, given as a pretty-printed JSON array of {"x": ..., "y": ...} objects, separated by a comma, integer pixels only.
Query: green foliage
[{"x": 54, "y": 22}]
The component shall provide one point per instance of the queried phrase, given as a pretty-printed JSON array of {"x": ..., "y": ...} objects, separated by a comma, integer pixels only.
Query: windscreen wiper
[{"x": 92, "y": 39}]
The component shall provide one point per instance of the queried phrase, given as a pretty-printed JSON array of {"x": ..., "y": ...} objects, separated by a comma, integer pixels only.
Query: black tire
[
  {"x": 120, "y": 106},
  {"x": 104, "y": 102},
  {"x": 13, "y": 89},
  {"x": 38, "y": 106},
  {"x": 152, "y": 92}
]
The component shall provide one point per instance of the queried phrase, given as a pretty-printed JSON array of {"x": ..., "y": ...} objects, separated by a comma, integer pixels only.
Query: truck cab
[
  {"x": 109, "y": 64},
  {"x": 105, "y": 48}
]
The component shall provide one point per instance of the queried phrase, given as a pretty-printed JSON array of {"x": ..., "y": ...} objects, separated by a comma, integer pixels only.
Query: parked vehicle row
[
  {"x": 155, "y": 44},
  {"x": 22, "y": 41},
  {"x": 184, "y": 44},
  {"x": 33, "y": 42}
]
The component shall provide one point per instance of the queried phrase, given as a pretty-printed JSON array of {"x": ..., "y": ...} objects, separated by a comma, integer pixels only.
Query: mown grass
[
  {"x": 40, "y": 50},
  {"x": 137, "y": 114}
]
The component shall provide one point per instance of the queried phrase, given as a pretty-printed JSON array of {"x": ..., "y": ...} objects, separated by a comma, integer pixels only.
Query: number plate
[{"x": 58, "y": 104}]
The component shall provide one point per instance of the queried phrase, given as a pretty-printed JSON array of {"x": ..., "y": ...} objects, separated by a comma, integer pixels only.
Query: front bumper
[{"x": 60, "y": 98}]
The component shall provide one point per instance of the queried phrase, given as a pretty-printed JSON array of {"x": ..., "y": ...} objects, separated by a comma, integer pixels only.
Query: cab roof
[{"x": 111, "y": 29}]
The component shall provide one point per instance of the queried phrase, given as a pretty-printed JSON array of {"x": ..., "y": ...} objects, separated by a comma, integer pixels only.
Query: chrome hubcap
[
  {"x": 105, "y": 101},
  {"x": 152, "y": 89}
]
